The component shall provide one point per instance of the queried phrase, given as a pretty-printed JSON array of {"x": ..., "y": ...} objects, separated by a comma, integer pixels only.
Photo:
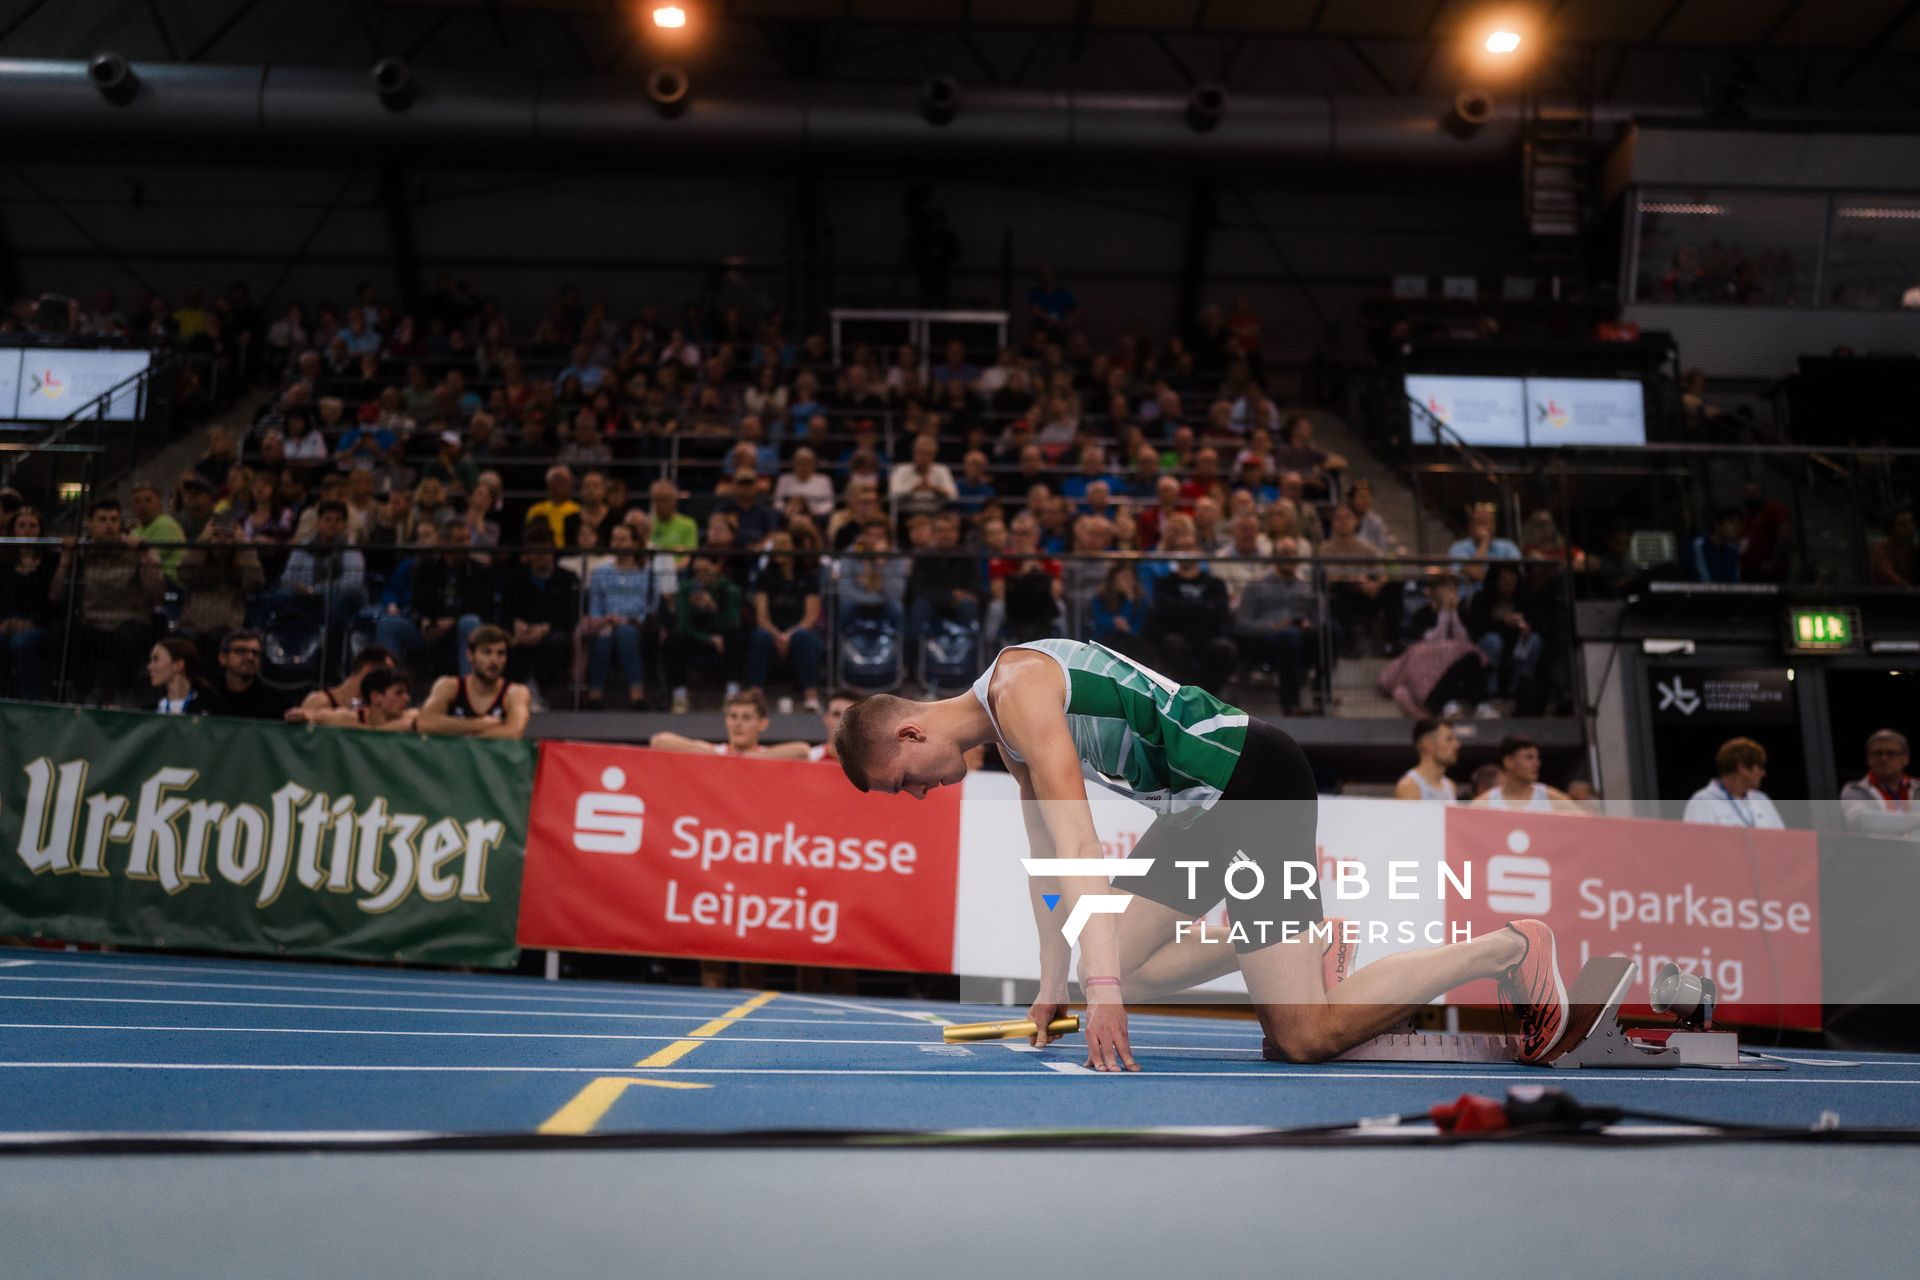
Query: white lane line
[
  {"x": 220, "y": 1135},
  {"x": 717, "y": 1002},
  {"x": 114, "y": 1028},
  {"x": 14, "y": 964},
  {"x": 927, "y": 1017},
  {"x": 1296, "y": 1073},
  {"x": 413, "y": 1010},
  {"x": 1072, "y": 1069},
  {"x": 536, "y": 988}
]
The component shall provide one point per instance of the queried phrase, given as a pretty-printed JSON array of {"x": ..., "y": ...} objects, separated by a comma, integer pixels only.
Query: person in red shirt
[{"x": 1763, "y": 537}]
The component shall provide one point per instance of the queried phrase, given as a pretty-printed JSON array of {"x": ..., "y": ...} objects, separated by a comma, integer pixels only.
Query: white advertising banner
[
  {"x": 1594, "y": 411},
  {"x": 57, "y": 382},
  {"x": 1488, "y": 413},
  {"x": 9, "y": 380}
]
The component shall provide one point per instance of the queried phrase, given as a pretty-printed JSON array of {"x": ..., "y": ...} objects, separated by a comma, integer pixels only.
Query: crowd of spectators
[{"x": 646, "y": 503}]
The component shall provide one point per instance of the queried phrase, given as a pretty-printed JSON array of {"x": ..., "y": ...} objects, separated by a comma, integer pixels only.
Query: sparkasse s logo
[
  {"x": 609, "y": 821},
  {"x": 1517, "y": 884}
]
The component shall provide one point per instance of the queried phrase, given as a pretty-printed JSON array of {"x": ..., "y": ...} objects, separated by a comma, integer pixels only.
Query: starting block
[{"x": 1593, "y": 1038}]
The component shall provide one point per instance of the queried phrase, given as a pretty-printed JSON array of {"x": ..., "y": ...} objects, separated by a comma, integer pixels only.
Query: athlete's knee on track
[{"x": 1300, "y": 1033}]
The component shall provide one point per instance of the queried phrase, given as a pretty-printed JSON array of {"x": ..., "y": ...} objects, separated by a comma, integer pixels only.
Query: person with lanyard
[
  {"x": 1887, "y": 801},
  {"x": 1734, "y": 799},
  {"x": 1227, "y": 790},
  {"x": 170, "y": 668},
  {"x": 1427, "y": 781}
]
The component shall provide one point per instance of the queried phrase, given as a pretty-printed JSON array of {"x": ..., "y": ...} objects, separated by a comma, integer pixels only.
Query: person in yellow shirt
[{"x": 558, "y": 508}]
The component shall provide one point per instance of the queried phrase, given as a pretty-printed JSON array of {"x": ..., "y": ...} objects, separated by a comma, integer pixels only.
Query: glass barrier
[{"x": 1729, "y": 248}]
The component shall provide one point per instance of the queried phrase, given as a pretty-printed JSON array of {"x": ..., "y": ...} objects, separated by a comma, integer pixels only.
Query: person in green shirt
[
  {"x": 673, "y": 530},
  {"x": 706, "y": 628},
  {"x": 153, "y": 524}
]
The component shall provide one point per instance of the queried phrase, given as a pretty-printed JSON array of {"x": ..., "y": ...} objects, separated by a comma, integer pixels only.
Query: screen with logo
[
  {"x": 46, "y": 384},
  {"x": 1488, "y": 413},
  {"x": 1594, "y": 411},
  {"x": 1539, "y": 413}
]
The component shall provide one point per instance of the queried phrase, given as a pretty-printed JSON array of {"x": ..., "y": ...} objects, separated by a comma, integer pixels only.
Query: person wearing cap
[
  {"x": 1734, "y": 798},
  {"x": 450, "y": 465}
]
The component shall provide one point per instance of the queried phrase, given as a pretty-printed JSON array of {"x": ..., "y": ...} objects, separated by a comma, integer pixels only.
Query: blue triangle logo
[{"x": 1051, "y": 899}]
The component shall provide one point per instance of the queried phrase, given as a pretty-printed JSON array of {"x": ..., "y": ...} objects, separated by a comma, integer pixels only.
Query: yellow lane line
[{"x": 591, "y": 1104}]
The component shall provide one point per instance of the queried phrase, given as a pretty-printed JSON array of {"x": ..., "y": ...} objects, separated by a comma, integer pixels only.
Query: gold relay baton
[{"x": 1007, "y": 1030}]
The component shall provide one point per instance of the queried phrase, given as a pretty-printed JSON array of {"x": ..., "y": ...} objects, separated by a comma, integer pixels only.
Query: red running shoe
[
  {"x": 1337, "y": 961},
  {"x": 1533, "y": 994}
]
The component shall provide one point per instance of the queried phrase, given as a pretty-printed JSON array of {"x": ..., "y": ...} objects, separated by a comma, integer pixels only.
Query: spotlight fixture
[
  {"x": 1206, "y": 105},
  {"x": 393, "y": 81},
  {"x": 1689, "y": 997},
  {"x": 113, "y": 76},
  {"x": 670, "y": 16},
  {"x": 1503, "y": 41},
  {"x": 668, "y": 88},
  {"x": 939, "y": 99},
  {"x": 1472, "y": 109}
]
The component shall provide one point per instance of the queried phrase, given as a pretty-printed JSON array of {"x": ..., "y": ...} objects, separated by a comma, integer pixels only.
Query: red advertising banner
[
  {"x": 652, "y": 853},
  {"x": 1739, "y": 906}
]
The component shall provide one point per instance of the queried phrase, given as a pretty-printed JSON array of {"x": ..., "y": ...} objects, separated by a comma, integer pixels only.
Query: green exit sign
[{"x": 1822, "y": 630}]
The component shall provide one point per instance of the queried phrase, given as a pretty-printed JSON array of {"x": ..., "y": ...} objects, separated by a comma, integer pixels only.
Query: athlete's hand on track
[
  {"x": 1106, "y": 1029},
  {"x": 1042, "y": 1012}
]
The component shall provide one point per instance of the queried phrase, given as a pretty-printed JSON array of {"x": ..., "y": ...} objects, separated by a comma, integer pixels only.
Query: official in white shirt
[{"x": 1734, "y": 799}]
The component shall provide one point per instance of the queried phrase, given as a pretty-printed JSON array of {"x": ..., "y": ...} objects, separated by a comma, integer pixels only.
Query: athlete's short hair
[
  {"x": 1421, "y": 728},
  {"x": 379, "y": 680},
  {"x": 1515, "y": 742},
  {"x": 484, "y": 636},
  {"x": 1735, "y": 752},
  {"x": 864, "y": 740},
  {"x": 749, "y": 698},
  {"x": 372, "y": 656}
]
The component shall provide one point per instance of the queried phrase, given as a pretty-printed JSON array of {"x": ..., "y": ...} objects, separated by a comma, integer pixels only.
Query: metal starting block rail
[{"x": 1593, "y": 1039}]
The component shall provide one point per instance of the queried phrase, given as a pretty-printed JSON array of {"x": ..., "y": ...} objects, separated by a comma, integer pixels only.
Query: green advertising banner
[{"x": 237, "y": 835}]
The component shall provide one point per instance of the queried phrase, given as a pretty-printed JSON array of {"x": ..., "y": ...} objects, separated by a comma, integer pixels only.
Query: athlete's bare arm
[
  {"x": 513, "y": 725},
  {"x": 1564, "y": 803},
  {"x": 1029, "y": 700},
  {"x": 784, "y": 751},
  {"x": 667, "y": 741},
  {"x": 436, "y": 713},
  {"x": 1406, "y": 789}
]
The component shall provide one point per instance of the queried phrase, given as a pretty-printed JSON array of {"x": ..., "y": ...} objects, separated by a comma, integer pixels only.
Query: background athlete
[
  {"x": 484, "y": 704},
  {"x": 1065, "y": 713}
]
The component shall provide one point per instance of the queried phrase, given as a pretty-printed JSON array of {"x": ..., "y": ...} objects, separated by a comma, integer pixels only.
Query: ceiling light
[
  {"x": 669, "y": 15},
  {"x": 1503, "y": 41}
]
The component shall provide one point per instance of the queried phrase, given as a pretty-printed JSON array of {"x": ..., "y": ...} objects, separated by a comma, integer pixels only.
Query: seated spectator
[
  {"x": 747, "y": 716},
  {"x": 477, "y": 526},
  {"x": 1886, "y": 802},
  {"x": 1541, "y": 539},
  {"x": 1244, "y": 555},
  {"x": 305, "y": 448},
  {"x": 627, "y": 601},
  {"x": 1443, "y": 667},
  {"x": 1892, "y": 558},
  {"x": 1297, "y": 452},
  {"x": 152, "y": 525},
  {"x": 586, "y": 446},
  {"x": 558, "y": 508},
  {"x": 1734, "y": 798},
  {"x": 1366, "y": 602},
  {"x": 1025, "y": 586},
  {"x": 179, "y": 690},
  {"x": 945, "y": 583},
  {"x": 450, "y": 465},
  {"x": 540, "y": 602},
  {"x": 26, "y": 606},
  {"x": 365, "y": 446},
  {"x": 974, "y": 487},
  {"x": 239, "y": 685},
  {"x": 873, "y": 584},
  {"x": 451, "y": 597},
  {"x": 382, "y": 708},
  {"x": 265, "y": 518},
  {"x": 484, "y": 704},
  {"x": 347, "y": 692},
  {"x": 786, "y": 615},
  {"x": 219, "y": 574},
  {"x": 1439, "y": 750},
  {"x": 742, "y": 502},
  {"x": 195, "y": 506},
  {"x": 1276, "y": 620},
  {"x": 1117, "y": 614},
  {"x": 325, "y": 578},
  {"x": 120, "y": 585},
  {"x": 1500, "y": 616},
  {"x": 807, "y": 483},
  {"x": 1472, "y": 553},
  {"x": 1370, "y": 528},
  {"x": 863, "y": 507},
  {"x": 1085, "y": 571},
  {"x": 1190, "y": 626},
  {"x": 924, "y": 484},
  {"x": 673, "y": 529},
  {"x": 706, "y": 630},
  {"x": 1480, "y": 782},
  {"x": 1714, "y": 556},
  {"x": 1519, "y": 786},
  {"x": 1764, "y": 546}
]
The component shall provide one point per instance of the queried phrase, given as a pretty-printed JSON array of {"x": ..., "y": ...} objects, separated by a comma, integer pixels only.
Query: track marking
[
  {"x": 640, "y": 1003},
  {"x": 933, "y": 1019},
  {"x": 1072, "y": 1069},
  {"x": 14, "y": 964},
  {"x": 411, "y": 1009},
  {"x": 587, "y": 1107},
  {"x": 1707, "y": 1076},
  {"x": 116, "y": 1027}
]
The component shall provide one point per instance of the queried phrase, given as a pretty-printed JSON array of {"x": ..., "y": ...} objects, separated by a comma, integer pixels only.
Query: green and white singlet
[{"x": 1171, "y": 747}]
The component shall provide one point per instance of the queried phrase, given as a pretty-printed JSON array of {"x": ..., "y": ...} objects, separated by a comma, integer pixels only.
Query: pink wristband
[{"x": 1099, "y": 982}]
